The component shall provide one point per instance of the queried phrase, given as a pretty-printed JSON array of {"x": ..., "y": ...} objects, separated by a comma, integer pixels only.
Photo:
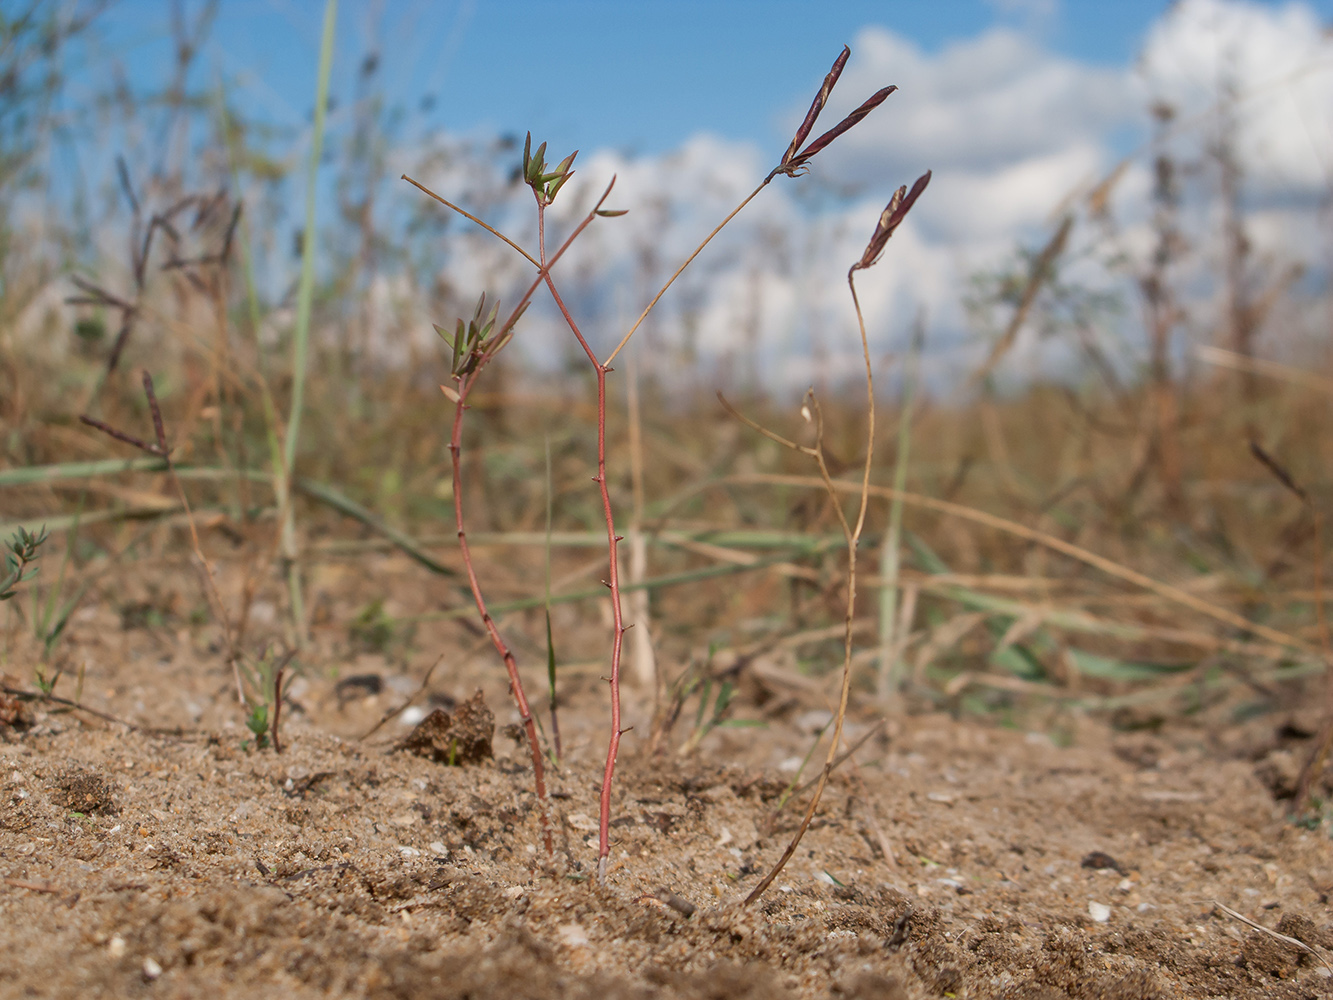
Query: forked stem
[
  {"x": 465, "y": 381},
  {"x": 688, "y": 261},
  {"x": 612, "y": 582}
]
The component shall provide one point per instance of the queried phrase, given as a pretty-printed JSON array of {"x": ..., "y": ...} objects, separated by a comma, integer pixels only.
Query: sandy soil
[{"x": 956, "y": 858}]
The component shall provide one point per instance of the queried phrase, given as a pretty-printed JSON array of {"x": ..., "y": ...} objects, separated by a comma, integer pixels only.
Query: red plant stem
[
  {"x": 465, "y": 384},
  {"x": 277, "y": 703},
  {"x": 501, "y": 647},
  {"x": 613, "y": 582}
]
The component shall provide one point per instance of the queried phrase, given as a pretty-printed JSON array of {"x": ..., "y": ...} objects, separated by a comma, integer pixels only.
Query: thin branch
[
  {"x": 468, "y": 215},
  {"x": 688, "y": 261}
]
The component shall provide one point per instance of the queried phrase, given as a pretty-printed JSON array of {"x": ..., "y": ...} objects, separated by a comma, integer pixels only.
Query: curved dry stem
[
  {"x": 816, "y": 452},
  {"x": 761, "y": 429},
  {"x": 870, "y": 406},
  {"x": 853, "y": 536},
  {"x": 1107, "y": 566}
]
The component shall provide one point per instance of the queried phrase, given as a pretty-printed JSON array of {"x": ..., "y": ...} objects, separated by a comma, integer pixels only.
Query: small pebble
[
  {"x": 151, "y": 970},
  {"x": 1099, "y": 912},
  {"x": 437, "y": 848},
  {"x": 1101, "y": 861},
  {"x": 412, "y": 715},
  {"x": 116, "y": 946}
]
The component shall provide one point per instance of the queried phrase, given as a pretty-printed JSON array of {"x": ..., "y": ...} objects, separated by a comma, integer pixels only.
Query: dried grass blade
[{"x": 1111, "y": 568}]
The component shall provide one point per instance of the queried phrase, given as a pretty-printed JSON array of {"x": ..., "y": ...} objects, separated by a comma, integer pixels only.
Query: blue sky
[
  {"x": 1020, "y": 107},
  {"x": 595, "y": 73}
]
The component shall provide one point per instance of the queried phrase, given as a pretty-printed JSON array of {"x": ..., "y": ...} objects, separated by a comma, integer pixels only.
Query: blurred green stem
[
  {"x": 890, "y": 552},
  {"x": 301, "y": 334}
]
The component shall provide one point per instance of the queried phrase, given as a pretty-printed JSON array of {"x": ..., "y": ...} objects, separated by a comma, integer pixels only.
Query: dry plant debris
[{"x": 461, "y": 737}]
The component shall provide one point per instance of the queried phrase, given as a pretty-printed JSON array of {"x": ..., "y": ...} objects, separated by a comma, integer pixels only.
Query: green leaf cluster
[
  {"x": 545, "y": 184},
  {"x": 19, "y": 552},
  {"x": 257, "y": 723},
  {"x": 471, "y": 342}
]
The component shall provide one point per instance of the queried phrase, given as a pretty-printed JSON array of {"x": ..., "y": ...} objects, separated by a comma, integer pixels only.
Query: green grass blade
[
  {"x": 1111, "y": 669},
  {"x": 328, "y": 495},
  {"x": 550, "y": 637},
  {"x": 653, "y": 583},
  {"x": 33, "y": 474},
  {"x": 890, "y": 553},
  {"x": 306, "y": 289},
  {"x": 305, "y": 294}
]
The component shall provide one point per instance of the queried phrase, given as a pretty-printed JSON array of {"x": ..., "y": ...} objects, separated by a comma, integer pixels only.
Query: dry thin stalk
[
  {"x": 794, "y": 161},
  {"x": 468, "y": 370},
  {"x": 468, "y": 215},
  {"x": 872, "y": 817},
  {"x": 160, "y": 449},
  {"x": 866, "y": 737},
  {"x": 1261, "y": 366},
  {"x": 1314, "y": 763},
  {"x": 1042, "y": 270},
  {"x": 688, "y": 261},
  {"x": 277, "y": 699},
  {"x": 1294, "y": 942},
  {"x": 618, "y": 628},
  {"x": 891, "y": 545},
  {"x": 645, "y": 663},
  {"x": 1111, "y": 568},
  {"x": 393, "y": 713},
  {"x": 889, "y": 220}
]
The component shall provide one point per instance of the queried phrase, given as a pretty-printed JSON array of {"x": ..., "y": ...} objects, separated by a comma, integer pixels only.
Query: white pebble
[
  {"x": 411, "y": 715},
  {"x": 1099, "y": 912}
]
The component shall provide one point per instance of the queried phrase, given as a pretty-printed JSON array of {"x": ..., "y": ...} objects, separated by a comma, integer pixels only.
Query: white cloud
[
  {"x": 1014, "y": 133},
  {"x": 1279, "y": 62},
  {"x": 977, "y": 104}
]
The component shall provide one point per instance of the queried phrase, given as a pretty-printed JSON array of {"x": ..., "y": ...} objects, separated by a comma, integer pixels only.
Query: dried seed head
[
  {"x": 899, "y": 205},
  {"x": 817, "y": 105},
  {"x": 802, "y": 158}
]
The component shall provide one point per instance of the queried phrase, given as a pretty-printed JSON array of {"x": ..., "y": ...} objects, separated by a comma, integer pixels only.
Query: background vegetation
[{"x": 1141, "y": 537}]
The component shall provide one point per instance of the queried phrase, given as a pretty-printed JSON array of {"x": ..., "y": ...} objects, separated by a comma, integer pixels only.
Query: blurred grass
[
  {"x": 1053, "y": 625},
  {"x": 738, "y": 545}
]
